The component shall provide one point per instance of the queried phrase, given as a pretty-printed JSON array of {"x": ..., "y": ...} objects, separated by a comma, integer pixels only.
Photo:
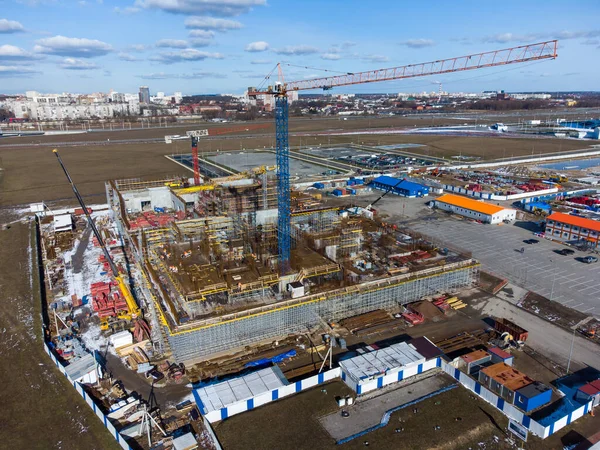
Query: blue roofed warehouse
[{"x": 400, "y": 186}]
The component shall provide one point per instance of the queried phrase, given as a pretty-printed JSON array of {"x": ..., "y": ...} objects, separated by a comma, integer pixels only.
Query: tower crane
[
  {"x": 134, "y": 311},
  {"x": 512, "y": 55}
]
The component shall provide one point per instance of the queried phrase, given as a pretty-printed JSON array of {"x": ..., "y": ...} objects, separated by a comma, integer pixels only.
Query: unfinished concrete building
[{"x": 207, "y": 260}]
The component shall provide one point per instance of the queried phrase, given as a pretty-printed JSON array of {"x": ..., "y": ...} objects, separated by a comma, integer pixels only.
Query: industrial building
[
  {"x": 566, "y": 227},
  {"x": 474, "y": 209},
  {"x": 402, "y": 187},
  {"x": 208, "y": 255}
]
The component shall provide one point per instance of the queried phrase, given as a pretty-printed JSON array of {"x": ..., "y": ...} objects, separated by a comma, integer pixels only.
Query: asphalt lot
[{"x": 560, "y": 278}]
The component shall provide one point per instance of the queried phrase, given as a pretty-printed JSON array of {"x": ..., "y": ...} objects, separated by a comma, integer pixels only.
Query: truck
[{"x": 502, "y": 325}]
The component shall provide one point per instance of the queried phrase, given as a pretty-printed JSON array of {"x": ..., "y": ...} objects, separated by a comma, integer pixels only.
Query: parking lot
[{"x": 560, "y": 278}]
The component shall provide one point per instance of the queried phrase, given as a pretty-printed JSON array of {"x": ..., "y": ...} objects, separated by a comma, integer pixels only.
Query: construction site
[
  {"x": 177, "y": 302},
  {"x": 214, "y": 278}
]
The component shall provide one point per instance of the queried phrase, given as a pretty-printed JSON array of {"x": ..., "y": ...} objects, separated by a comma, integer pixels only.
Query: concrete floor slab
[{"x": 368, "y": 413}]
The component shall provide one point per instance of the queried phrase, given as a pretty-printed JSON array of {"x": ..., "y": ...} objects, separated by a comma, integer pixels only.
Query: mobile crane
[{"x": 133, "y": 310}]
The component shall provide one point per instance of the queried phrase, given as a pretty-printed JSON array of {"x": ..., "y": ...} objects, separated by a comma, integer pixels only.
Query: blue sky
[{"x": 222, "y": 46}]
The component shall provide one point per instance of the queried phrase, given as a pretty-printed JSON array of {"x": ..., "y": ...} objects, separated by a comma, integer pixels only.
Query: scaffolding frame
[{"x": 225, "y": 333}]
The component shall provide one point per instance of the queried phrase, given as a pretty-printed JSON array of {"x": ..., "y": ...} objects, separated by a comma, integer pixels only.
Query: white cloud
[
  {"x": 375, "y": 58},
  {"x": 15, "y": 53},
  {"x": 261, "y": 61},
  {"x": 127, "y": 10},
  {"x": 10, "y": 26},
  {"x": 331, "y": 56},
  {"x": 258, "y": 46},
  {"x": 77, "y": 64},
  {"x": 193, "y": 75},
  {"x": 136, "y": 48},
  {"x": 172, "y": 43},
  {"x": 210, "y": 23},
  {"x": 127, "y": 57},
  {"x": 188, "y": 54},
  {"x": 76, "y": 47},
  {"x": 16, "y": 71},
  {"x": 200, "y": 42},
  {"x": 202, "y": 34},
  {"x": 213, "y": 7},
  {"x": 503, "y": 38},
  {"x": 296, "y": 50},
  {"x": 418, "y": 43}
]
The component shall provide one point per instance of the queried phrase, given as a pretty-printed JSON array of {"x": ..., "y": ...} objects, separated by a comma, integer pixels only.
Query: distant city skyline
[{"x": 223, "y": 46}]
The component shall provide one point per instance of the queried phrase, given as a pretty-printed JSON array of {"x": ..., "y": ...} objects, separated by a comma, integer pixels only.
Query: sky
[{"x": 223, "y": 46}]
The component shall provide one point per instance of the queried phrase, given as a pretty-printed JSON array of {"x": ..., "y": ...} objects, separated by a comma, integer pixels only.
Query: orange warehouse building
[
  {"x": 474, "y": 209},
  {"x": 566, "y": 227}
]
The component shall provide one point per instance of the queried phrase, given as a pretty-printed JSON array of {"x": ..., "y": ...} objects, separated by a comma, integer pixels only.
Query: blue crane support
[{"x": 283, "y": 182}]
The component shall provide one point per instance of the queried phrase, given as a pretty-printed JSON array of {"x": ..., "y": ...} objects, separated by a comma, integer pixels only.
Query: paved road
[
  {"x": 560, "y": 278},
  {"x": 545, "y": 338}
]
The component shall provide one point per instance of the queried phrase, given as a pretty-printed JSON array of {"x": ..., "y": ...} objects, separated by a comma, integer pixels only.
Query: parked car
[
  {"x": 531, "y": 241},
  {"x": 589, "y": 259},
  {"x": 565, "y": 251}
]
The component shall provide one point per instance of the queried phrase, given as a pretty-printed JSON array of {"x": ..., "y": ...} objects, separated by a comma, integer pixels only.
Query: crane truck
[{"x": 133, "y": 310}]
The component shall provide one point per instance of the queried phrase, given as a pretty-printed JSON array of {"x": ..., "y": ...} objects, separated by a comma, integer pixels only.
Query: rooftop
[
  {"x": 398, "y": 183},
  {"x": 592, "y": 388},
  {"x": 499, "y": 352},
  {"x": 219, "y": 395},
  {"x": 390, "y": 359},
  {"x": 575, "y": 220},
  {"x": 507, "y": 376},
  {"x": 474, "y": 356},
  {"x": 533, "y": 389},
  {"x": 470, "y": 204}
]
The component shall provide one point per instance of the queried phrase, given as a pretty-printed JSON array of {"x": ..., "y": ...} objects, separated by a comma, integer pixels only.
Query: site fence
[
  {"x": 542, "y": 431},
  {"x": 266, "y": 397},
  {"x": 89, "y": 400}
]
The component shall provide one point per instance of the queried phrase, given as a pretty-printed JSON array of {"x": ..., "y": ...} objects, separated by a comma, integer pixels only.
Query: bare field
[
  {"x": 32, "y": 174},
  {"x": 40, "y": 410}
]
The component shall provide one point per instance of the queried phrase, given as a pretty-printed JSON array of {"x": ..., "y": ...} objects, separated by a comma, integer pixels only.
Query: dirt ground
[
  {"x": 40, "y": 410},
  {"x": 31, "y": 174},
  {"x": 294, "y": 421}
]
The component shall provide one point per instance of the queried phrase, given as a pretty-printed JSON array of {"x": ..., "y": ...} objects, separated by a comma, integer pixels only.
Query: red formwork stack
[
  {"x": 106, "y": 301},
  {"x": 152, "y": 219}
]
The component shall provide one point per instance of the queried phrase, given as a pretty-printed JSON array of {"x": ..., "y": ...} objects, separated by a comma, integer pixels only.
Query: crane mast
[
  {"x": 134, "y": 309},
  {"x": 513, "y": 55}
]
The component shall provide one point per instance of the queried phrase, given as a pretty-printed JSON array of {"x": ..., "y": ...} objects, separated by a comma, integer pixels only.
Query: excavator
[{"x": 133, "y": 313}]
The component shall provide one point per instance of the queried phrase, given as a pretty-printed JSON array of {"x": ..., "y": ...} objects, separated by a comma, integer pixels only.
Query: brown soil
[
  {"x": 554, "y": 312},
  {"x": 40, "y": 410},
  {"x": 32, "y": 174}
]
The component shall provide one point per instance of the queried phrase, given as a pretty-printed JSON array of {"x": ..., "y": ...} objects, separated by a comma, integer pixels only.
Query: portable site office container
[{"x": 533, "y": 396}]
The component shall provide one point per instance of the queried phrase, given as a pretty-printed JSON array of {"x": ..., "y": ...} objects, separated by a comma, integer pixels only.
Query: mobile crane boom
[{"x": 134, "y": 309}]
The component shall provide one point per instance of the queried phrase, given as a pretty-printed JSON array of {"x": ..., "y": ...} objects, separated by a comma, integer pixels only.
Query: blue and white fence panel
[
  {"x": 512, "y": 411},
  {"x": 79, "y": 388},
  {"x": 268, "y": 397}
]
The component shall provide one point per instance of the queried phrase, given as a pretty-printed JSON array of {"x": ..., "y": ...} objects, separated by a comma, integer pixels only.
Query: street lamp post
[{"x": 553, "y": 280}]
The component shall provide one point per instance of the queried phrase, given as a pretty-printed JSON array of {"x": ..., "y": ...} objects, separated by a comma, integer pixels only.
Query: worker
[{"x": 522, "y": 249}]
